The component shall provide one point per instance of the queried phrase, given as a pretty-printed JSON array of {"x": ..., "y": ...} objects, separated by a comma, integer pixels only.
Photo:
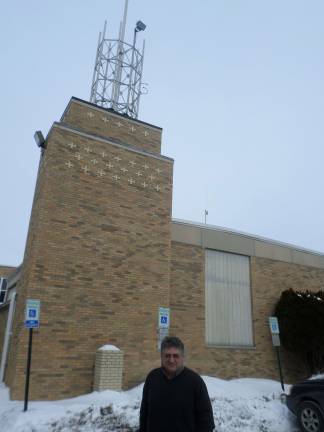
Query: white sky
[{"x": 236, "y": 86}]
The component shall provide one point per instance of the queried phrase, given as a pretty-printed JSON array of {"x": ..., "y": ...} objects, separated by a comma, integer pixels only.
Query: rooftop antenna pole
[
  {"x": 206, "y": 214},
  {"x": 96, "y": 70},
  {"x": 132, "y": 62},
  {"x": 95, "y": 73},
  {"x": 136, "y": 98},
  {"x": 120, "y": 56},
  {"x": 117, "y": 75},
  {"x": 115, "y": 89},
  {"x": 124, "y": 21}
]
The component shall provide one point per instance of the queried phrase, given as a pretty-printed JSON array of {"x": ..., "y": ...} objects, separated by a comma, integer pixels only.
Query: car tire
[{"x": 310, "y": 417}]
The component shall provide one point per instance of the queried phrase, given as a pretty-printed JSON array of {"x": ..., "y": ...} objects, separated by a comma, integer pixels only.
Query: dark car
[{"x": 306, "y": 401}]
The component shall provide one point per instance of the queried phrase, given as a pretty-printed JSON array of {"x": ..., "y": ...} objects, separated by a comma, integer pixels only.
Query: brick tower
[{"x": 97, "y": 253}]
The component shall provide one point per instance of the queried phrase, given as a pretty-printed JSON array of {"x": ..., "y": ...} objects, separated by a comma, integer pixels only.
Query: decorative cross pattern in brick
[
  {"x": 113, "y": 122},
  {"x": 137, "y": 174}
]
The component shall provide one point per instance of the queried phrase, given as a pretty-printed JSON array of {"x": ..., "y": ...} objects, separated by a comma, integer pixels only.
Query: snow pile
[
  {"x": 109, "y": 348},
  {"x": 249, "y": 405},
  {"x": 315, "y": 377},
  {"x": 241, "y": 405}
]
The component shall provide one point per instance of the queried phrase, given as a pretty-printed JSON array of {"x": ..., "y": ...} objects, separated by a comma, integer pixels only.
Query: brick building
[{"x": 103, "y": 254}]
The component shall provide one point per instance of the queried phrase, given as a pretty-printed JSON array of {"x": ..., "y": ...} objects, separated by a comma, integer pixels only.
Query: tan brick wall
[
  {"x": 187, "y": 301},
  {"x": 113, "y": 126},
  {"x": 6, "y": 270},
  {"x": 97, "y": 256},
  {"x": 16, "y": 364}
]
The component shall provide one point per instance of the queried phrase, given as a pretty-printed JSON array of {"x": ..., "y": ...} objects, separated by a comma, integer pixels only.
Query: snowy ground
[{"x": 245, "y": 405}]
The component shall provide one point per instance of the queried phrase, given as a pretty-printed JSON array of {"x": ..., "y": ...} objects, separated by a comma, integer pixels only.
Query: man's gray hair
[{"x": 172, "y": 342}]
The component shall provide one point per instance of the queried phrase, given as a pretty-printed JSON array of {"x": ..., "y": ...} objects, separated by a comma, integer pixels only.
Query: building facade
[{"x": 103, "y": 255}]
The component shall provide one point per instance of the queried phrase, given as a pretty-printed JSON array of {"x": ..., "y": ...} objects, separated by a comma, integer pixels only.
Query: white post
[{"x": 7, "y": 336}]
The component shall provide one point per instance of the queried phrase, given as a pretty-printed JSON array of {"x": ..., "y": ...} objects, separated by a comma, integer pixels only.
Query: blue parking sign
[
  {"x": 164, "y": 317},
  {"x": 32, "y": 313},
  {"x": 274, "y": 325}
]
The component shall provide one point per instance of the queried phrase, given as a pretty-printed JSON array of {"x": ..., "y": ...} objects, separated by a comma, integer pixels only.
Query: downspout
[{"x": 7, "y": 337}]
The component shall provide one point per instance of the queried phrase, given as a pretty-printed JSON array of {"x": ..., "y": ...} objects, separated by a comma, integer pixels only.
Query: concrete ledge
[{"x": 212, "y": 237}]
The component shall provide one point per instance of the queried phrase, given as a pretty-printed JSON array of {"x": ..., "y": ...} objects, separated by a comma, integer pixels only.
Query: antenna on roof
[
  {"x": 206, "y": 214},
  {"x": 117, "y": 75}
]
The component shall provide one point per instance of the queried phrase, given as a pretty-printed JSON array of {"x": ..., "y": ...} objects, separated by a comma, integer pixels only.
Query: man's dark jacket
[{"x": 180, "y": 404}]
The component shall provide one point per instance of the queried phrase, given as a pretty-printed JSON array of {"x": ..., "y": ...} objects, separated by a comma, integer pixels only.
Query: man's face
[{"x": 172, "y": 360}]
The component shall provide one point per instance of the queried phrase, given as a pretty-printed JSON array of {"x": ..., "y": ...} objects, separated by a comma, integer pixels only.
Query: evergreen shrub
[{"x": 301, "y": 322}]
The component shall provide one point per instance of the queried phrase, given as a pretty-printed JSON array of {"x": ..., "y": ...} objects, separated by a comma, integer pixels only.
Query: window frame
[
  {"x": 3, "y": 289},
  {"x": 245, "y": 308}
]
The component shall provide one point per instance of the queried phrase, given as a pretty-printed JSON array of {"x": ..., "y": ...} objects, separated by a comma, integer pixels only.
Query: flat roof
[{"x": 219, "y": 238}]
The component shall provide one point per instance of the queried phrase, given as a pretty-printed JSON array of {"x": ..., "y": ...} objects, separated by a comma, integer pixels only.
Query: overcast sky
[{"x": 237, "y": 87}]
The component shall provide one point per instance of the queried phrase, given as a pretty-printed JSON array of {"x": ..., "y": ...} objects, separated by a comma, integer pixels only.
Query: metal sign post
[
  {"x": 275, "y": 333},
  {"x": 280, "y": 369},
  {"x": 32, "y": 314},
  {"x": 30, "y": 341}
]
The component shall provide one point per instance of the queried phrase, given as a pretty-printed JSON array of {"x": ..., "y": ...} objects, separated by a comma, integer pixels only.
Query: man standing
[{"x": 175, "y": 398}]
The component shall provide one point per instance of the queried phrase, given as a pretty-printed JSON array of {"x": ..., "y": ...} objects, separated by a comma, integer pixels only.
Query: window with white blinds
[{"x": 228, "y": 299}]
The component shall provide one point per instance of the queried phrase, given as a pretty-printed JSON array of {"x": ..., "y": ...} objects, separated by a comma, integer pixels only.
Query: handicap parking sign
[
  {"x": 274, "y": 325},
  {"x": 164, "y": 317},
  {"x": 32, "y": 313}
]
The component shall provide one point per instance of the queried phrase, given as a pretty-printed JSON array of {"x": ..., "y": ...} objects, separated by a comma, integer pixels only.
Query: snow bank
[{"x": 241, "y": 405}]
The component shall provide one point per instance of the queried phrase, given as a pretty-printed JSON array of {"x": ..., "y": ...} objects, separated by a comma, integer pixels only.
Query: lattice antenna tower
[{"x": 117, "y": 75}]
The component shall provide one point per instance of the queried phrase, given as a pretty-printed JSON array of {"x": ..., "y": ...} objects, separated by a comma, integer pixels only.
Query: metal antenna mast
[{"x": 117, "y": 75}]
